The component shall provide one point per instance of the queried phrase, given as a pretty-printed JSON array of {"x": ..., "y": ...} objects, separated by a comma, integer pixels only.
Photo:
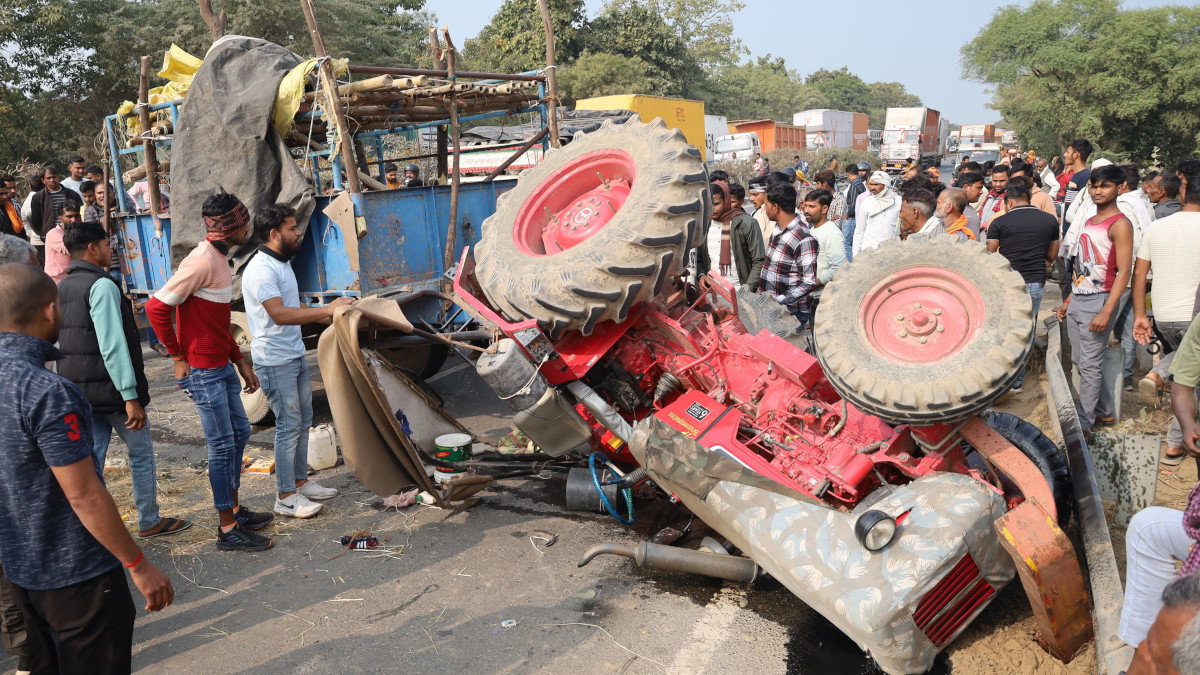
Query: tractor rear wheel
[
  {"x": 1049, "y": 458},
  {"x": 925, "y": 330},
  {"x": 595, "y": 229}
]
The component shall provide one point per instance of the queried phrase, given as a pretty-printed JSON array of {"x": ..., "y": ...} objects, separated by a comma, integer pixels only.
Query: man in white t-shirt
[
  {"x": 275, "y": 315},
  {"x": 1169, "y": 250},
  {"x": 831, "y": 251}
]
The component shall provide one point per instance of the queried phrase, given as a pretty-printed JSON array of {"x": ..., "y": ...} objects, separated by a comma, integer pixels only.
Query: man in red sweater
[{"x": 197, "y": 297}]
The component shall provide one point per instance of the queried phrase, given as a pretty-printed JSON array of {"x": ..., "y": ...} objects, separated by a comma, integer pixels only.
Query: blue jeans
[
  {"x": 803, "y": 318},
  {"x": 289, "y": 388},
  {"x": 141, "y": 463},
  {"x": 217, "y": 395},
  {"x": 848, "y": 237},
  {"x": 1036, "y": 292}
]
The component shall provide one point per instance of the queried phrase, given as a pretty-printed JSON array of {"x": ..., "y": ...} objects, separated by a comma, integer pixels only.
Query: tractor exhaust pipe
[{"x": 645, "y": 554}]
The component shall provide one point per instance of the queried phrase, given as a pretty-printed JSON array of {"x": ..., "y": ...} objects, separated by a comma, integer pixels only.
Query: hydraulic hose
[{"x": 645, "y": 554}]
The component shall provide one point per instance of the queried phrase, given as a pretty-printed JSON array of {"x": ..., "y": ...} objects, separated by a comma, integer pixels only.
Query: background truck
[
  {"x": 715, "y": 126},
  {"x": 748, "y": 137},
  {"x": 678, "y": 113},
  {"x": 910, "y": 132},
  {"x": 825, "y": 128},
  {"x": 970, "y": 134}
]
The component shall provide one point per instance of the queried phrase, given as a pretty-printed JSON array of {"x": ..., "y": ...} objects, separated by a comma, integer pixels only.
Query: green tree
[
  {"x": 634, "y": 30},
  {"x": 704, "y": 26},
  {"x": 886, "y": 95},
  {"x": 1123, "y": 78},
  {"x": 68, "y": 63},
  {"x": 515, "y": 40},
  {"x": 842, "y": 89},
  {"x": 603, "y": 75},
  {"x": 762, "y": 89}
]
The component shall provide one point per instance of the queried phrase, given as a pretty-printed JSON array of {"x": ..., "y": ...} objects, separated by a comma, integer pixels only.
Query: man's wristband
[
  {"x": 141, "y": 555},
  {"x": 178, "y": 357}
]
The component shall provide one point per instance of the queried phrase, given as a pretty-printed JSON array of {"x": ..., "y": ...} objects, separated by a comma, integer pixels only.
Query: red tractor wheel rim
[
  {"x": 921, "y": 314},
  {"x": 575, "y": 203}
]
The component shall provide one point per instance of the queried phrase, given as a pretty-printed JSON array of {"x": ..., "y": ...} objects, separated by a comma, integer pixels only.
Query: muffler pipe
[{"x": 645, "y": 554}]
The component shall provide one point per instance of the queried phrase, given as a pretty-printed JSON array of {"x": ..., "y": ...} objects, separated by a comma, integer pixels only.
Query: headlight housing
[{"x": 874, "y": 530}]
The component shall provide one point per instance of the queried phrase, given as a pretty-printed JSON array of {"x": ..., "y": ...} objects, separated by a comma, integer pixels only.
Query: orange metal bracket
[
  {"x": 1051, "y": 576},
  {"x": 1011, "y": 462}
]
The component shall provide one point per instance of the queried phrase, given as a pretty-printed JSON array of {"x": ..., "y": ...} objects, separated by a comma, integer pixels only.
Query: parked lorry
[
  {"x": 970, "y": 134},
  {"x": 911, "y": 133},
  {"x": 825, "y": 128},
  {"x": 678, "y": 113},
  {"x": 747, "y": 138},
  {"x": 715, "y": 126},
  {"x": 870, "y": 480}
]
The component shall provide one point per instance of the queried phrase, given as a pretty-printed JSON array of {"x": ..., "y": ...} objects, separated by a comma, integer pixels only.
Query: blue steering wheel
[{"x": 627, "y": 493}]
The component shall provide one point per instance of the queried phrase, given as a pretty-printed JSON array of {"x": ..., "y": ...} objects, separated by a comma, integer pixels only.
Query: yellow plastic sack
[
  {"x": 291, "y": 92},
  {"x": 179, "y": 66}
]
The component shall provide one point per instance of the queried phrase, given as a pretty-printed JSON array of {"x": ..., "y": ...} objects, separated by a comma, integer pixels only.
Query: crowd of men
[{"x": 69, "y": 336}]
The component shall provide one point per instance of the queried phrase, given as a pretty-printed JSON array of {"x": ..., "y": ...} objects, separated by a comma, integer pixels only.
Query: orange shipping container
[{"x": 772, "y": 135}]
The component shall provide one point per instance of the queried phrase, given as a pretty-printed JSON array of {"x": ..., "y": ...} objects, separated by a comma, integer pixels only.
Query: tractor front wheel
[{"x": 925, "y": 330}]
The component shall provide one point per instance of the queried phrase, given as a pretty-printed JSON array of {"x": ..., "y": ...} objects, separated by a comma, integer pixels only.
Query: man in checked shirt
[{"x": 789, "y": 272}]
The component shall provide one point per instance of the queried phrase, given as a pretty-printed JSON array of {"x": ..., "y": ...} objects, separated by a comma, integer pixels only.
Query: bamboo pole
[
  {"x": 150, "y": 151},
  {"x": 551, "y": 75},
  {"x": 452, "y": 230},
  {"x": 329, "y": 87},
  {"x": 387, "y": 70},
  {"x": 372, "y": 84}
]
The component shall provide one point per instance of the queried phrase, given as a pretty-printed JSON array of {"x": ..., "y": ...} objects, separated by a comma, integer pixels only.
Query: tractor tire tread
[
  {"x": 964, "y": 383},
  {"x": 623, "y": 264}
]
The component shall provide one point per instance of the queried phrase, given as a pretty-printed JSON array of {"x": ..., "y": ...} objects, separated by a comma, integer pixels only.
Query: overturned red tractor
[{"x": 871, "y": 481}]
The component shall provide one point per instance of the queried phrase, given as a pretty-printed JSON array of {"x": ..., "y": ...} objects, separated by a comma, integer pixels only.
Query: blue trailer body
[{"x": 401, "y": 252}]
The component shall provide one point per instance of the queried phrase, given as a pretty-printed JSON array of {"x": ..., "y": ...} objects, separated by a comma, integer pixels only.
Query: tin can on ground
[{"x": 451, "y": 448}]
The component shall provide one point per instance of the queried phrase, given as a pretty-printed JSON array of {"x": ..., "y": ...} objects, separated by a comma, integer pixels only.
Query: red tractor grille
[{"x": 944, "y": 610}]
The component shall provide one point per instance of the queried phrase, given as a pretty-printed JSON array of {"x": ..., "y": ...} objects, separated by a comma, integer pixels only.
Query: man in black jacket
[
  {"x": 48, "y": 204},
  {"x": 103, "y": 357}
]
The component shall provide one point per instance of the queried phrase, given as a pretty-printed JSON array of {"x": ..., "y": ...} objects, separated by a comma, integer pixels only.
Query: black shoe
[
  {"x": 253, "y": 520},
  {"x": 238, "y": 539}
]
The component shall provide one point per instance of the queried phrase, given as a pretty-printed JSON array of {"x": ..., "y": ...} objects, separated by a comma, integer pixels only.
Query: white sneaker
[
  {"x": 297, "y": 506},
  {"x": 313, "y": 490}
]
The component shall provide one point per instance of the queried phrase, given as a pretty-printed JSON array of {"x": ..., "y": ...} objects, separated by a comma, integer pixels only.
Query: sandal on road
[
  {"x": 166, "y": 527},
  {"x": 1173, "y": 460}
]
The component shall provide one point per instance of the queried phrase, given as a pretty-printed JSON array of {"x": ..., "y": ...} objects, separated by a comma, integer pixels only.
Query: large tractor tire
[
  {"x": 925, "y": 330},
  {"x": 595, "y": 229},
  {"x": 1047, "y": 456},
  {"x": 258, "y": 407}
]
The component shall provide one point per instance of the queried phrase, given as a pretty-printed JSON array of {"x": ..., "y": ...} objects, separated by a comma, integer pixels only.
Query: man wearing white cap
[{"x": 878, "y": 218}]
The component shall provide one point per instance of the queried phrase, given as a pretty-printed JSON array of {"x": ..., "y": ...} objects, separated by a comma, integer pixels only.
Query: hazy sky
[{"x": 916, "y": 44}]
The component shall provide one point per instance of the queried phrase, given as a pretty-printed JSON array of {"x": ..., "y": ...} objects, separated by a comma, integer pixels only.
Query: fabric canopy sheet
[
  {"x": 373, "y": 403},
  {"x": 224, "y": 140}
]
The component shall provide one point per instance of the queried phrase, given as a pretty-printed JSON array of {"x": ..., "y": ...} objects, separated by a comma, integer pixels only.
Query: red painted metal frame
[{"x": 780, "y": 416}]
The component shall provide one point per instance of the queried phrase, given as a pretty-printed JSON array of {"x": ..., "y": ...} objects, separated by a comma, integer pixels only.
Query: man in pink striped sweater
[{"x": 197, "y": 297}]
